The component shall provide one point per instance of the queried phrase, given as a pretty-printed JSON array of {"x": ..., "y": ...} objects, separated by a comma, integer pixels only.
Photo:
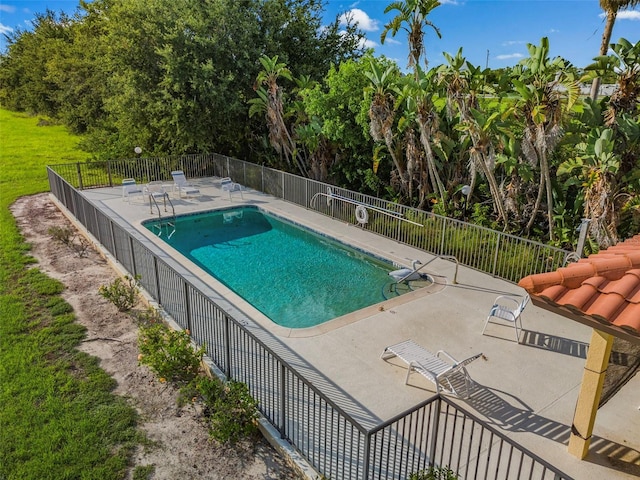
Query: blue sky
[{"x": 499, "y": 29}]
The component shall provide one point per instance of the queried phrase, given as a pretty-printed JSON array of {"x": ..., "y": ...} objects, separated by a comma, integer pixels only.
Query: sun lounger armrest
[
  {"x": 449, "y": 357},
  {"x": 424, "y": 370}
]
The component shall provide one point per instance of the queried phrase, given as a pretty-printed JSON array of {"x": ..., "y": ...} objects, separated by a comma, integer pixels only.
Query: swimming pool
[{"x": 292, "y": 275}]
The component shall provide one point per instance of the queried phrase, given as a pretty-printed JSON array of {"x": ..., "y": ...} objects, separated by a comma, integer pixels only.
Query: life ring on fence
[
  {"x": 329, "y": 196},
  {"x": 362, "y": 215}
]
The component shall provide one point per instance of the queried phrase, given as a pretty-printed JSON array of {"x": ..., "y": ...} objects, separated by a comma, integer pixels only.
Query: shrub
[
  {"x": 434, "y": 473},
  {"x": 148, "y": 317},
  {"x": 122, "y": 293},
  {"x": 169, "y": 353},
  {"x": 67, "y": 236},
  {"x": 230, "y": 409}
]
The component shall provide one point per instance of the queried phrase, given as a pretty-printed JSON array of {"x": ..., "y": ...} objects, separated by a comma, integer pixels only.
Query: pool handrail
[
  {"x": 435, "y": 257},
  {"x": 384, "y": 211}
]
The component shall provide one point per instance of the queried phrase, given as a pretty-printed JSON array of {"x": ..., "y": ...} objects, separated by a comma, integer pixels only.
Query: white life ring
[
  {"x": 329, "y": 196},
  {"x": 362, "y": 215}
]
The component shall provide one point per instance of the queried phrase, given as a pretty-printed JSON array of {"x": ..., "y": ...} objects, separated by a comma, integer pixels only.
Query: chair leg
[
  {"x": 486, "y": 322},
  {"x": 518, "y": 330}
]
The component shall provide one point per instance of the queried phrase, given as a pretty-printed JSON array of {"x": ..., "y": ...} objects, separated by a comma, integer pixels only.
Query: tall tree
[
  {"x": 412, "y": 18},
  {"x": 611, "y": 9},
  {"x": 464, "y": 82},
  {"x": 546, "y": 94},
  {"x": 382, "y": 115},
  {"x": 270, "y": 101}
]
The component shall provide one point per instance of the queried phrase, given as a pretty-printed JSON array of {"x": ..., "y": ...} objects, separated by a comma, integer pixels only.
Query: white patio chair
[
  {"x": 230, "y": 186},
  {"x": 441, "y": 369},
  {"x": 130, "y": 189},
  {"x": 181, "y": 184},
  {"x": 508, "y": 310}
]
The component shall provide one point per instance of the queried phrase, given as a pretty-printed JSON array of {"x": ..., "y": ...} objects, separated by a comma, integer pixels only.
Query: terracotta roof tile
[
  {"x": 604, "y": 286},
  {"x": 579, "y": 298},
  {"x": 554, "y": 292},
  {"x": 629, "y": 318}
]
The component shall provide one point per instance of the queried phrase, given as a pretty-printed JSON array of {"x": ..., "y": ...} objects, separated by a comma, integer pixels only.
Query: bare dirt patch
[{"x": 181, "y": 447}]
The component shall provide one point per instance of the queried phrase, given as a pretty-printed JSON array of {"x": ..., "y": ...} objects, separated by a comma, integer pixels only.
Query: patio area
[{"x": 528, "y": 390}]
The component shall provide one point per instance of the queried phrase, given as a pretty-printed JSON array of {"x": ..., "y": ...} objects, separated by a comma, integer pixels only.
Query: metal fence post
[
  {"x": 442, "y": 240},
  {"x": 227, "y": 348},
  {"x": 584, "y": 228},
  {"x": 283, "y": 400},
  {"x": 109, "y": 173},
  {"x": 79, "y": 170},
  {"x": 133, "y": 257},
  {"x": 157, "y": 277},
  {"x": 187, "y": 307},
  {"x": 433, "y": 445},
  {"x": 367, "y": 454},
  {"x": 495, "y": 256},
  {"x": 113, "y": 242}
]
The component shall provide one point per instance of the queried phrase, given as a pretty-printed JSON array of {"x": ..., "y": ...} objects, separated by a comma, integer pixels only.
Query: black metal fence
[
  {"x": 434, "y": 433},
  {"x": 496, "y": 253}
]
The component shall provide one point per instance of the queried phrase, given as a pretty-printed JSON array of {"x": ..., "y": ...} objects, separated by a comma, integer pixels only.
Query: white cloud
[
  {"x": 553, "y": 30},
  {"x": 509, "y": 56},
  {"x": 449, "y": 2},
  {"x": 392, "y": 41},
  {"x": 513, "y": 42},
  {"x": 366, "y": 43},
  {"x": 364, "y": 21},
  {"x": 4, "y": 29},
  {"x": 628, "y": 15},
  {"x": 7, "y": 8},
  {"x": 625, "y": 15}
]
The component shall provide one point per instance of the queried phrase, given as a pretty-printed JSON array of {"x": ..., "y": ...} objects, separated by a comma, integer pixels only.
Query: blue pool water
[{"x": 295, "y": 277}]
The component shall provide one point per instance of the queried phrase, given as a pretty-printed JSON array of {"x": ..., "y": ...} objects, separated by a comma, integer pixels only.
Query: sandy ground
[{"x": 181, "y": 444}]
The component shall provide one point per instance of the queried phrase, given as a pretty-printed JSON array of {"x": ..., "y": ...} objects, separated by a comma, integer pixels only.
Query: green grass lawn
[{"x": 59, "y": 419}]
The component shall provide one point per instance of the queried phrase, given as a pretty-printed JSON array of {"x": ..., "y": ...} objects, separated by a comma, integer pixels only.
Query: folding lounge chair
[
  {"x": 508, "y": 309},
  {"x": 181, "y": 184},
  {"x": 229, "y": 185},
  {"x": 130, "y": 188},
  {"x": 446, "y": 375}
]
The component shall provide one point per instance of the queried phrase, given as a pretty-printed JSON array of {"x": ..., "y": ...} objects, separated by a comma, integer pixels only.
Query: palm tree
[
  {"x": 611, "y": 9},
  {"x": 464, "y": 82},
  {"x": 542, "y": 106},
  {"x": 382, "y": 114},
  {"x": 419, "y": 96},
  {"x": 269, "y": 101},
  {"x": 414, "y": 14}
]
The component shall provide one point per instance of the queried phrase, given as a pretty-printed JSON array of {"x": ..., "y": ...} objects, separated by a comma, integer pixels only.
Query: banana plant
[
  {"x": 464, "y": 82},
  {"x": 596, "y": 166},
  {"x": 382, "y": 113},
  {"x": 418, "y": 97},
  {"x": 546, "y": 92}
]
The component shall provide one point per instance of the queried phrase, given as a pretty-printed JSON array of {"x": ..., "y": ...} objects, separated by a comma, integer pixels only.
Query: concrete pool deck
[{"x": 528, "y": 391}]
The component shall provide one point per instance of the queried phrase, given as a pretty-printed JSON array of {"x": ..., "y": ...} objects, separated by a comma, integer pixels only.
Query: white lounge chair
[
  {"x": 508, "y": 309},
  {"x": 130, "y": 189},
  {"x": 445, "y": 373},
  {"x": 181, "y": 184},
  {"x": 230, "y": 186}
]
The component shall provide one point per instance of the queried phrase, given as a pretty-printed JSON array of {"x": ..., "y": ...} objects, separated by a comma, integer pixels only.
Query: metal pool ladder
[{"x": 168, "y": 221}]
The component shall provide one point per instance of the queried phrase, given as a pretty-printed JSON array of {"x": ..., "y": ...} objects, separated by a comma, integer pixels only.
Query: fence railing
[
  {"x": 337, "y": 445},
  {"x": 499, "y": 254}
]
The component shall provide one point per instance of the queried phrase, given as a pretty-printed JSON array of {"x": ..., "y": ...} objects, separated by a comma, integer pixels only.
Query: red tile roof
[{"x": 601, "y": 290}]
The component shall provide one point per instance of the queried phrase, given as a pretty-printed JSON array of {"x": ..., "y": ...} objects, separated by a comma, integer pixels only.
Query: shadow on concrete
[
  {"x": 565, "y": 346},
  {"x": 508, "y": 413}
]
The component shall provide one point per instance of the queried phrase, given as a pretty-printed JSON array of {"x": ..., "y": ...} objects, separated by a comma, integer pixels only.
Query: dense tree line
[
  {"x": 519, "y": 149},
  {"x": 172, "y": 76}
]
